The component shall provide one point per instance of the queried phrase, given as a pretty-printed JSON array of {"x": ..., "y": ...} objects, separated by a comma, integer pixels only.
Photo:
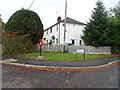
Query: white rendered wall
[{"x": 72, "y": 32}]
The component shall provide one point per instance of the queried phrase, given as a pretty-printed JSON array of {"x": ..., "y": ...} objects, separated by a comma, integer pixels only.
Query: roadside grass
[{"x": 61, "y": 56}]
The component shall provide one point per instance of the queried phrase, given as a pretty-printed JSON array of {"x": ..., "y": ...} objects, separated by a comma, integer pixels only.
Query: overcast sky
[{"x": 49, "y": 10}]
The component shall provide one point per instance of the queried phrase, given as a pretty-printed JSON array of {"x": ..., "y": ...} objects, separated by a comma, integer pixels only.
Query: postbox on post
[{"x": 40, "y": 44}]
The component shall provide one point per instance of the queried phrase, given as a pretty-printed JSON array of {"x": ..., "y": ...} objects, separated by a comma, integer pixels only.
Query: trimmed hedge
[{"x": 14, "y": 44}]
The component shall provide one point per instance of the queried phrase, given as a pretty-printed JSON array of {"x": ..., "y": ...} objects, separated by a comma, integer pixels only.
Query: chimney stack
[{"x": 59, "y": 19}]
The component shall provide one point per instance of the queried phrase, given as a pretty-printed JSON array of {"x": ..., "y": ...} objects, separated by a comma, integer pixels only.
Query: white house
[{"x": 55, "y": 33}]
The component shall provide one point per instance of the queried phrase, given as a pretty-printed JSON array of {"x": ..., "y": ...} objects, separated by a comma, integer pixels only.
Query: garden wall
[{"x": 73, "y": 49}]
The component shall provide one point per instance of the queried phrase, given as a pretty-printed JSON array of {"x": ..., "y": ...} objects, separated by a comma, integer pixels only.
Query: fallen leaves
[{"x": 68, "y": 70}]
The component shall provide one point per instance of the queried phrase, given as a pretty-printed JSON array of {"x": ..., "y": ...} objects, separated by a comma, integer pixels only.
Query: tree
[
  {"x": 115, "y": 12},
  {"x": 26, "y": 22},
  {"x": 95, "y": 32},
  {"x": 114, "y": 24},
  {"x": 3, "y": 26}
]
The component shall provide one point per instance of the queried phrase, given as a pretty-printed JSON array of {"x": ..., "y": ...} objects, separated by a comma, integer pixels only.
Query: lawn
[{"x": 61, "y": 56}]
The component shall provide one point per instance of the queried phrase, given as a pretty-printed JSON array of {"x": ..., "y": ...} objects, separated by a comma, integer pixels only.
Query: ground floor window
[
  {"x": 80, "y": 42},
  {"x": 47, "y": 41},
  {"x": 73, "y": 42}
]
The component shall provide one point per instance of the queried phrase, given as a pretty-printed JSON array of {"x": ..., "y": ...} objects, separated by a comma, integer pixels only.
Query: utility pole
[
  {"x": 58, "y": 27},
  {"x": 65, "y": 25},
  {"x": 31, "y": 4},
  {"x": 0, "y": 29},
  {"x": 0, "y": 24}
]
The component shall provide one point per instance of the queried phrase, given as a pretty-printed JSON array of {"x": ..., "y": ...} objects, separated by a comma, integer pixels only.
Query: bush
[
  {"x": 115, "y": 50},
  {"x": 14, "y": 44}
]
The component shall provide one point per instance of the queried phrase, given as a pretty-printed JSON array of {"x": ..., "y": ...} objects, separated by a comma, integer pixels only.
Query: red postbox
[{"x": 40, "y": 42}]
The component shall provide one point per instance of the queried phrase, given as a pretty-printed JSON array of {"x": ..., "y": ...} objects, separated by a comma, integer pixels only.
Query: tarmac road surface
[{"x": 13, "y": 77}]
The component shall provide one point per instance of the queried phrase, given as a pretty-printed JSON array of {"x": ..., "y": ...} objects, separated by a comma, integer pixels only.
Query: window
[
  {"x": 80, "y": 42},
  {"x": 73, "y": 24},
  {"x": 73, "y": 42},
  {"x": 50, "y": 40},
  {"x": 47, "y": 41},
  {"x": 44, "y": 39},
  {"x": 51, "y": 30}
]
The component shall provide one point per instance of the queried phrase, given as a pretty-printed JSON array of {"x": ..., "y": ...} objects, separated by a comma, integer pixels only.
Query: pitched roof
[
  {"x": 72, "y": 21},
  {"x": 68, "y": 20}
]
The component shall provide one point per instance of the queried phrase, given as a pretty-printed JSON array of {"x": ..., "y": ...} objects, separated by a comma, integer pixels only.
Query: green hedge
[
  {"x": 14, "y": 44},
  {"x": 115, "y": 50}
]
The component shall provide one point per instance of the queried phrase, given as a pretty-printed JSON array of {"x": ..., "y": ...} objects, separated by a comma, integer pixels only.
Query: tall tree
[
  {"x": 114, "y": 24},
  {"x": 95, "y": 32},
  {"x": 26, "y": 22}
]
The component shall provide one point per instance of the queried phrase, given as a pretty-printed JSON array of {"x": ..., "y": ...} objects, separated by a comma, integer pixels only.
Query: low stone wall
[{"x": 73, "y": 49}]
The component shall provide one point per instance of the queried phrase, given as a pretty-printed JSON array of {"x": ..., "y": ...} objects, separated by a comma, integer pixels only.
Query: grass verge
[{"x": 62, "y": 56}]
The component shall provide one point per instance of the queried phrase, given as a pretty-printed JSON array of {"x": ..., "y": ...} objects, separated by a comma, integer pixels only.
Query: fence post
[
  {"x": 101, "y": 50},
  {"x": 48, "y": 47},
  {"x": 89, "y": 50}
]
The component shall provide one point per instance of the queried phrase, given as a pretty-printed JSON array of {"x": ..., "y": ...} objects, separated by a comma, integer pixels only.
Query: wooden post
[
  {"x": 40, "y": 50},
  {"x": 84, "y": 54}
]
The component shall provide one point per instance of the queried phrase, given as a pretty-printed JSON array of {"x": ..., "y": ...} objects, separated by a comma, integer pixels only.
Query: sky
[{"x": 49, "y": 10}]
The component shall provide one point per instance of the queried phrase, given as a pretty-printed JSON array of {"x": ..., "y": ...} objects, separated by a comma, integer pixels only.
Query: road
[{"x": 13, "y": 77}]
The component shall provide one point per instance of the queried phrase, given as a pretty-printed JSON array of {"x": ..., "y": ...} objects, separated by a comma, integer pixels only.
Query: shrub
[{"x": 14, "y": 44}]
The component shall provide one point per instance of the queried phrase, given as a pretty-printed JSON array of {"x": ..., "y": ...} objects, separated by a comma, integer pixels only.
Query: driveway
[{"x": 13, "y": 77}]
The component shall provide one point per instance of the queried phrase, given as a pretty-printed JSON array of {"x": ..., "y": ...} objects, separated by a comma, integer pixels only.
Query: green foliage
[
  {"x": 3, "y": 26},
  {"x": 14, "y": 44},
  {"x": 115, "y": 27},
  {"x": 95, "y": 32},
  {"x": 114, "y": 24},
  {"x": 26, "y": 22},
  {"x": 115, "y": 12},
  {"x": 103, "y": 30}
]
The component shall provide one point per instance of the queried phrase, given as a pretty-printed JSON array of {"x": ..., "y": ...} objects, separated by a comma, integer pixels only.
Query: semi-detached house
[{"x": 55, "y": 33}]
